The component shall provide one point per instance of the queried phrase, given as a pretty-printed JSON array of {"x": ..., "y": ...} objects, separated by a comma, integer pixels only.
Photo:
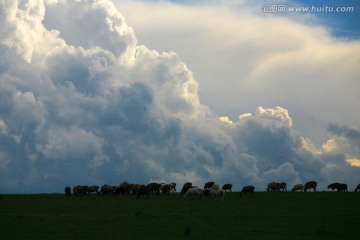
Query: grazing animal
[
  {"x": 84, "y": 190},
  {"x": 116, "y": 189},
  {"x": 357, "y": 188},
  {"x": 215, "y": 187},
  {"x": 272, "y": 187},
  {"x": 298, "y": 187},
  {"x": 281, "y": 186},
  {"x": 217, "y": 194},
  {"x": 78, "y": 190},
  {"x": 194, "y": 192},
  {"x": 67, "y": 191},
  {"x": 106, "y": 189},
  {"x": 342, "y": 187},
  {"x": 186, "y": 187},
  {"x": 154, "y": 187},
  {"x": 207, "y": 192},
  {"x": 208, "y": 185},
  {"x": 333, "y": 186},
  {"x": 249, "y": 189},
  {"x": 134, "y": 189},
  {"x": 125, "y": 186},
  {"x": 173, "y": 189},
  {"x": 310, "y": 185},
  {"x": 143, "y": 190},
  {"x": 166, "y": 188},
  {"x": 122, "y": 188},
  {"x": 92, "y": 189},
  {"x": 227, "y": 186}
]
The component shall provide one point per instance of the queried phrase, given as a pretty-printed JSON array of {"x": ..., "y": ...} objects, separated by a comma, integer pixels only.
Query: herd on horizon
[{"x": 210, "y": 189}]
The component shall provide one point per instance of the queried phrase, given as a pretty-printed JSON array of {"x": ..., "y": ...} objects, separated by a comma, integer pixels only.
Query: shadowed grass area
[{"x": 321, "y": 215}]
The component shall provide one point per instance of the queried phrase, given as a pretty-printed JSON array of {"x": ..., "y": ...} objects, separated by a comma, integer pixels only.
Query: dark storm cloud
[{"x": 351, "y": 133}]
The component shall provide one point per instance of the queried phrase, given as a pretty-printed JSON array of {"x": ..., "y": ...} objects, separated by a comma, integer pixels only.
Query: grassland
[{"x": 322, "y": 215}]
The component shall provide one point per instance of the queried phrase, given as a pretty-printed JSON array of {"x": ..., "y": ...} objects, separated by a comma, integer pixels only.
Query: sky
[{"x": 102, "y": 92}]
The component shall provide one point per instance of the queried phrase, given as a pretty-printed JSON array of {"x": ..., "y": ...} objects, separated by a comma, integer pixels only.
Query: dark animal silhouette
[
  {"x": 186, "y": 187},
  {"x": 227, "y": 187},
  {"x": 68, "y": 191},
  {"x": 247, "y": 190},
  {"x": 342, "y": 187},
  {"x": 310, "y": 185},
  {"x": 334, "y": 186},
  {"x": 208, "y": 185}
]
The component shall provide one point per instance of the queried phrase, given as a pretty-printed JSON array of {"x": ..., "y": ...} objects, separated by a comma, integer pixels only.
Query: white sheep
[{"x": 298, "y": 187}]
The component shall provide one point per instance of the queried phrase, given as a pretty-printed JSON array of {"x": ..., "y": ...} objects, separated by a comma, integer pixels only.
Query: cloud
[
  {"x": 351, "y": 133},
  {"x": 344, "y": 138},
  {"x": 243, "y": 58},
  {"x": 82, "y": 102},
  {"x": 277, "y": 113}
]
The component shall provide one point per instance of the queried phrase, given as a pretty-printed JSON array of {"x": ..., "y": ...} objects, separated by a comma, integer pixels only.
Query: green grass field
[{"x": 322, "y": 215}]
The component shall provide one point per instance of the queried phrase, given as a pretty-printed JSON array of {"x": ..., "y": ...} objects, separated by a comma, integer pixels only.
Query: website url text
[{"x": 277, "y": 8}]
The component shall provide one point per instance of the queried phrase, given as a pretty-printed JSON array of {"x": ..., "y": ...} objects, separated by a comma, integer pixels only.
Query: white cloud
[
  {"x": 23, "y": 32},
  {"x": 277, "y": 113},
  {"x": 245, "y": 115},
  {"x": 243, "y": 59},
  {"x": 354, "y": 162},
  {"x": 81, "y": 102},
  {"x": 92, "y": 24},
  {"x": 66, "y": 143},
  {"x": 225, "y": 119},
  {"x": 329, "y": 146},
  {"x": 3, "y": 127}
]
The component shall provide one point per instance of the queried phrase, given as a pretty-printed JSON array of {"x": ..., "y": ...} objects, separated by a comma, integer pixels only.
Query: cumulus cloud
[
  {"x": 351, "y": 133},
  {"x": 345, "y": 139},
  {"x": 82, "y": 102},
  {"x": 243, "y": 58},
  {"x": 277, "y": 113},
  {"x": 92, "y": 24}
]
